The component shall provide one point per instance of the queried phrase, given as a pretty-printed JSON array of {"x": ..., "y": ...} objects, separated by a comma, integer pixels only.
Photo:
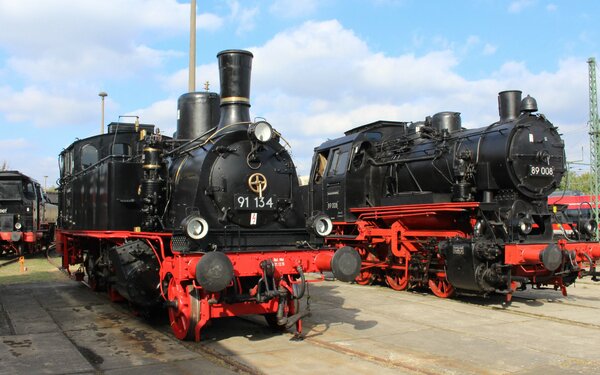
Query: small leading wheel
[
  {"x": 184, "y": 311},
  {"x": 365, "y": 277},
  {"x": 396, "y": 279},
  {"x": 441, "y": 287}
]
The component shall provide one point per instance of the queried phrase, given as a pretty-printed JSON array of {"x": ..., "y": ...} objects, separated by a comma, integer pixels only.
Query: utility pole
[
  {"x": 594, "y": 127},
  {"x": 192, "y": 78},
  {"x": 103, "y": 95}
]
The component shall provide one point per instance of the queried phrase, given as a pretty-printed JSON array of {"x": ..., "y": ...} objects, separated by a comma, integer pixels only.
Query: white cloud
[
  {"x": 242, "y": 16},
  {"x": 317, "y": 80},
  {"x": 56, "y": 37},
  {"x": 46, "y": 108},
  {"x": 7, "y": 145},
  {"x": 293, "y": 8},
  {"x": 80, "y": 23},
  {"x": 489, "y": 49},
  {"x": 163, "y": 114},
  {"x": 312, "y": 81},
  {"x": 96, "y": 63},
  {"x": 177, "y": 82},
  {"x": 34, "y": 167},
  {"x": 517, "y": 6}
]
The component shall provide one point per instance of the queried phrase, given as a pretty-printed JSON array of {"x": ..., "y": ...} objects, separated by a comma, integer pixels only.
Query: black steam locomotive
[
  {"x": 27, "y": 217},
  {"x": 209, "y": 223},
  {"x": 431, "y": 203}
]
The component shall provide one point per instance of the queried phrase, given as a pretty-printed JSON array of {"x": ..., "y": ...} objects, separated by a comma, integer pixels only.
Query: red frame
[
  {"x": 179, "y": 269},
  {"x": 404, "y": 231},
  {"x": 29, "y": 238}
]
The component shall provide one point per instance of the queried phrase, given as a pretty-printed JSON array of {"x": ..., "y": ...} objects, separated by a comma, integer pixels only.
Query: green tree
[{"x": 573, "y": 181}]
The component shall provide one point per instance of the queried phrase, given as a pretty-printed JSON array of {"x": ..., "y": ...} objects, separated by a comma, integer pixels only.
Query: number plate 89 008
[
  {"x": 254, "y": 202},
  {"x": 536, "y": 170}
]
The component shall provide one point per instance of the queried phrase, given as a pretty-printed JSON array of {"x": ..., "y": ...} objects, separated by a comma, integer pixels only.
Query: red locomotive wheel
[
  {"x": 184, "y": 313},
  {"x": 441, "y": 287},
  {"x": 396, "y": 279},
  {"x": 365, "y": 278}
]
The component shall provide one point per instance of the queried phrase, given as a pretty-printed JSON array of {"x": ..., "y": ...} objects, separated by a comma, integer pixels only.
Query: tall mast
[
  {"x": 594, "y": 127},
  {"x": 192, "y": 69}
]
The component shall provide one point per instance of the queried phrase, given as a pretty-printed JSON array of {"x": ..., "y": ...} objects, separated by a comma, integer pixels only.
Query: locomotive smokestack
[
  {"x": 235, "y": 67},
  {"x": 509, "y": 105}
]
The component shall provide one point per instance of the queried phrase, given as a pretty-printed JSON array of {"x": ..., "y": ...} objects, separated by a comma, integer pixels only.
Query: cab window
[
  {"x": 121, "y": 149},
  {"x": 338, "y": 163},
  {"x": 320, "y": 167},
  {"x": 28, "y": 190},
  {"x": 89, "y": 156},
  {"x": 68, "y": 163},
  {"x": 38, "y": 190}
]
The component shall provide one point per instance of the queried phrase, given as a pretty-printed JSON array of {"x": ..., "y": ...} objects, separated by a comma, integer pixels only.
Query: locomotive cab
[
  {"x": 342, "y": 174},
  {"x": 328, "y": 186}
]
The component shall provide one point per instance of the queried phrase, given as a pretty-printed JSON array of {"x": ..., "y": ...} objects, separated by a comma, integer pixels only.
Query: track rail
[
  {"x": 417, "y": 366},
  {"x": 207, "y": 352},
  {"x": 10, "y": 261},
  {"x": 513, "y": 311}
]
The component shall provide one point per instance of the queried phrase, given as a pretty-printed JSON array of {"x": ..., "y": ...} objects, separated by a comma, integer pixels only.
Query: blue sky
[{"x": 320, "y": 66}]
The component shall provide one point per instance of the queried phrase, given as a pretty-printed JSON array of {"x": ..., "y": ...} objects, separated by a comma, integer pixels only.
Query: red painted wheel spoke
[
  {"x": 441, "y": 287},
  {"x": 365, "y": 278},
  {"x": 180, "y": 316},
  {"x": 396, "y": 279}
]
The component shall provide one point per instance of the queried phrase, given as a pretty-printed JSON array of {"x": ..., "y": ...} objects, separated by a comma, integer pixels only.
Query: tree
[{"x": 573, "y": 181}]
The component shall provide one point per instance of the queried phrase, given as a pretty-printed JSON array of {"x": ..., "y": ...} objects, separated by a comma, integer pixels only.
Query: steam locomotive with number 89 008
[
  {"x": 209, "y": 223},
  {"x": 432, "y": 204}
]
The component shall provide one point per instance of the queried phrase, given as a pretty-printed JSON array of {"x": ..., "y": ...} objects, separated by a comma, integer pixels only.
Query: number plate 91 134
[
  {"x": 254, "y": 202},
  {"x": 536, "y": 170}
]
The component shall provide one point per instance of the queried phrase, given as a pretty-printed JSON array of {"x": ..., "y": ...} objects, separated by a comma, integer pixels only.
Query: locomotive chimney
[
  {"x": 234, "y": 71},
  {"x": 509, "y": 105}
]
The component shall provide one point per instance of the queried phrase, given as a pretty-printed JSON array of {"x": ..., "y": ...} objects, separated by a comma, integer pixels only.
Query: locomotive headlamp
[
  {"x": 588, "y": 227},
  {"x": 260, "y": 131},
  {"x": 195, "y": 227},
  {"x": 322, "y": 225},
  {"x": 525, "y": 225},
  {"x": 18, "y": 225}
]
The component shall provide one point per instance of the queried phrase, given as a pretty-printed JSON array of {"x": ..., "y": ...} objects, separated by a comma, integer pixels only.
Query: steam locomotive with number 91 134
[
  {"x": 209, "y": 223},
  {"x": 433, "y": 204}
]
